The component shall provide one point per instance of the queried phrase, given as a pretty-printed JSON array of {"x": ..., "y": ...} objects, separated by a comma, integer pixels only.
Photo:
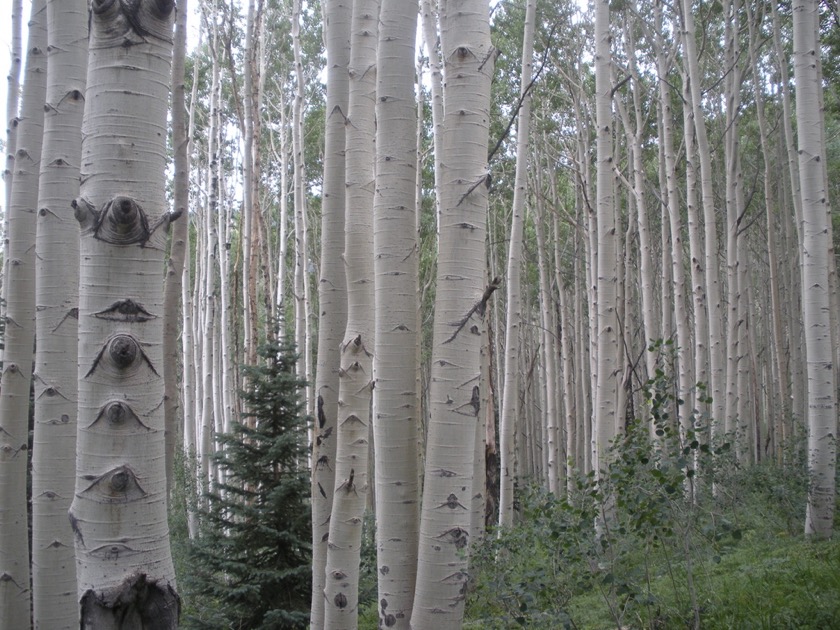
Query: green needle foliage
[{"x": 250, "y": 567}]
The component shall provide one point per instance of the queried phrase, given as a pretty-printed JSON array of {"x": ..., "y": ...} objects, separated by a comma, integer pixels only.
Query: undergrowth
[{"x": 674, "y": 535}]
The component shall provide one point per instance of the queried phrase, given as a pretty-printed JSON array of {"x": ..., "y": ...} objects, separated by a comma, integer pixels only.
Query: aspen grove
[{"x": 538, "y": 294}]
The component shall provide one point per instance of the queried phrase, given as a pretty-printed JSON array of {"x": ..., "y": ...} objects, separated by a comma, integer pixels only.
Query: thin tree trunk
[
  {"x": 177, "y": 248},
  {"x": 822, "y": 418},
  {"x": 56, "y": 319},
  {"x": 397, "y": 356},
  {"x": 713, "y": 292},
  {"x": 20, "y": 333},
  {"x": 332, "y": 289},
  {"x": 606, "y": 316},
  {"x": 356, "y": 373},
  {"x": 510, "y": 396},
  {"x": 12, "y": 98}
]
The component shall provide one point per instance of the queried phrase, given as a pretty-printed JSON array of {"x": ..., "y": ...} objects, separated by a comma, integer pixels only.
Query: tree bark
[
  {"x": 510, "y": 395},
  {"x": 20, "y": 332},
  {"x": 460, "y": 304},
  {"x": 177, "y": 248},
  {"x": 356, "y": 373},
  {"x": 57, "y": 291},
  {"x": 332, "y": 290},
  {"x": 125, "y": 572},
  {"x": 397, "y": 356},
  {"x": 822, "y": 416}
]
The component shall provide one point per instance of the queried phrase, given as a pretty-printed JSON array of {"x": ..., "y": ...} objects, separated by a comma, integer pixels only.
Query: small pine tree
[{"x": 250, "y": 566}]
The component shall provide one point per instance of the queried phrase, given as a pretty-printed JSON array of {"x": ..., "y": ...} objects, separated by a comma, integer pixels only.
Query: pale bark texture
[
  {"x": 713, "y": 291},
  {"x": 460, "y": 304},
  {"x": 56, "y": 294},
  {"x": 341, "y": 592},
  {"x": 124, "y": 566},
  {"x": 822, "y": 406},
  {"x": 12, "y": 94},
  {"x": 20, "y": 332},
  {"x": 177, "y": 249},
  {"x": 606, "y": 281},
  {"x": 510, "y": 393},
  {"x": 397, "y": 402},
  {"x": 332, "y": 292}
]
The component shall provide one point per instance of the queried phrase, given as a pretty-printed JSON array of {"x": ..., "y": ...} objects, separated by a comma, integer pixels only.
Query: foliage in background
[
  {"x": 675, "y": 555},
  {"x": 250, "y": 566}
]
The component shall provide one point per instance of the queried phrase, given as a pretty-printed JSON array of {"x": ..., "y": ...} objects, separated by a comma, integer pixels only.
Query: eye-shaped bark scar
[
  {"x": 113, "y": 551},
  {"x": 119, "y": 485},
  {"x": 458, "y": 536},
  {"x": 125, "y": 311},
  {"x": 118, "y": 416},
  {"x": 121, "y": 356},
  {"x": 122, "y": 19},
  {"x": 120, "y": 221}
]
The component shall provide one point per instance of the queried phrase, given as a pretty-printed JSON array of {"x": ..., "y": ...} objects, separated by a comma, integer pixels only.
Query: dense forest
[{"x": 432, "y": 315}]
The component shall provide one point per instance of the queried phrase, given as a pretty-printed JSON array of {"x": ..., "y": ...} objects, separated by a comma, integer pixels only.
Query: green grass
[
  {"x": 762, "y": 583},
  {"x": 736, "y": 560}
]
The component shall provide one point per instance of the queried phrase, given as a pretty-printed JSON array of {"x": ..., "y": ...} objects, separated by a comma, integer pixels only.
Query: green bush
[{"x": 674, "y": 535}]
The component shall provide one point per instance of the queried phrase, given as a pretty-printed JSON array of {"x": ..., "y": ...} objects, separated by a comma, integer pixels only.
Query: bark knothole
[
  {"x": 340, "y": 600},
  {"x": 324, "y": 436},
  {"x": 453, "y": 503},
  {"x": 129, "y": 22},
  {"x": 121, "y": 356},
  {"x": 120, "y": 417},
  {"x": 119, "y": 485},
  {"x": 322, "y": 417},
  {"x": 457, "y": 536},
  {"x": 122, "y": 221},
  {"x": 139, "y": 602}
]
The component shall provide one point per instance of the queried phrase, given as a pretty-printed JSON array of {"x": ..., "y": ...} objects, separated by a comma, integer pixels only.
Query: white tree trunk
[
  {"x": 822, "y": 406},
  {"x": 57, "y": 291},
  {"x": 12, "y": 98},
  {"x": 332, "y": 292},
  {"x": 459, "y": 307},
  {"x": 397, "y": 356},
  {"x": 510, "y": 395},
  {"x": 356, "y": 373},
  {"x": 606, "y": 316},
  {"x": 20, "y": 332},
  {"x": 178, "y": 248},
  {"x": 119, "y": 511},
  {"x": 713, "y": 292}
]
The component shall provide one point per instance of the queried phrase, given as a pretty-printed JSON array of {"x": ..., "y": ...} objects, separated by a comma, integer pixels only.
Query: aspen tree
[
  {"x": 782, "y": 379},
  {"x": 12, "y": 98},
  {"x": 356, "y": 375},
  {"x": 606, "y": 316},
  {"x": 118, "y": 513},
  {"x": 460, "y": 303},
  {"x": 513, "y": 321},
  {"x": 56, "y": 295},
  {"x": 822, "y": 405},
  {"x": 397, "y": 356},
  {"x": 332, "y": 288},
  {"x": 15, "y": 594},
  {"x": 179, "y": 245},
  {"x": 713, "y": 291}
]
